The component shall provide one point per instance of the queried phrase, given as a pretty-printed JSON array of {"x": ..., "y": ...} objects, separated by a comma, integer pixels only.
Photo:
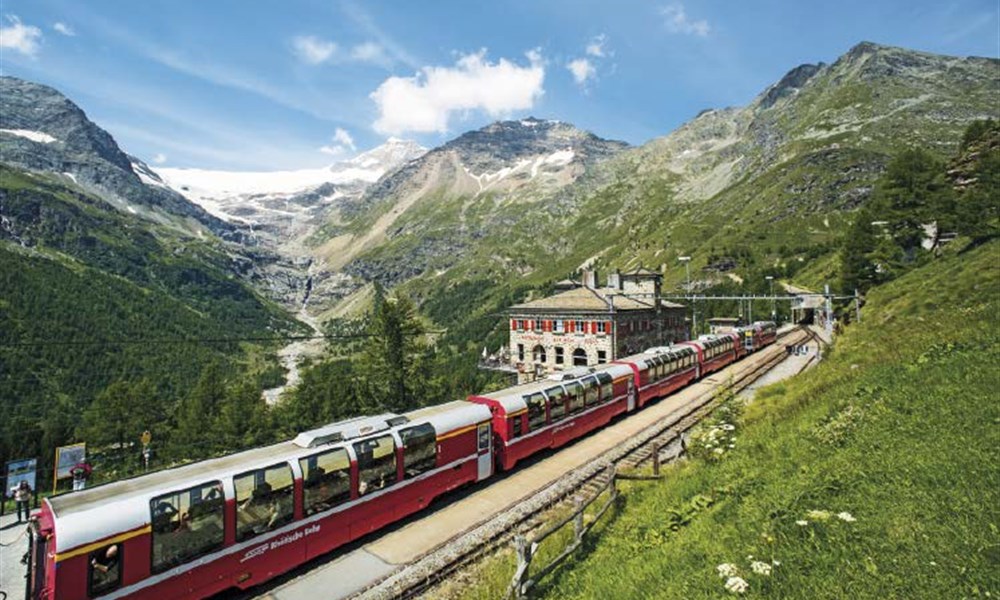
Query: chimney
[
  {"x": 590, "y": 279},
  {"x": 615, "y": 280}
]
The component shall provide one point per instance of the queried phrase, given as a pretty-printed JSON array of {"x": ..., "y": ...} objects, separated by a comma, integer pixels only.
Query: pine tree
[
  {"x": 978, "y": 205},
  {"x": 913, "y": 191},
  {"x": 389, "y": 360},
  {"x": 194, "y": 436}
]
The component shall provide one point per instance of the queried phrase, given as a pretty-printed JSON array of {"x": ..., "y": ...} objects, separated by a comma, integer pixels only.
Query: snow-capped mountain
[{"x": 284, "y": 199}]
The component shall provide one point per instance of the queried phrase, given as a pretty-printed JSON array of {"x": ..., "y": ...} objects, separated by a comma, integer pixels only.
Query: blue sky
[{"x": 298, "y": 84}]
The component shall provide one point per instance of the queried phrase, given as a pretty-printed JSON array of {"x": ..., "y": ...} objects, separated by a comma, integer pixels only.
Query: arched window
[
  {"x": 579, "y": 357},
  {"x": 538, "y": 354}
]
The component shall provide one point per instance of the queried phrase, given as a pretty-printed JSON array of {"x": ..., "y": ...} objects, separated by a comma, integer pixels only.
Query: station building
[{"x": 583, "y": 324}]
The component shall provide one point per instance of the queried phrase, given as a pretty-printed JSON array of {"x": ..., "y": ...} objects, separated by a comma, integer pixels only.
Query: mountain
[
  {"x": 435, "y": 208},
  {"x": 287, "y": 204},
  {"x": 761, "y": 189},
  {"x": 107, "y": 275},
  {"x": 43, "y": 131}
]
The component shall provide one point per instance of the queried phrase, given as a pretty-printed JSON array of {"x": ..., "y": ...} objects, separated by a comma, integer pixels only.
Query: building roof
[{"x": 583, "y": 299}]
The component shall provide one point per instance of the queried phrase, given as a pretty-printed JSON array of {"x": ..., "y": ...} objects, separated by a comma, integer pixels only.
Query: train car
[
  {"x": 238, "y": 520},
  {"x": 661, "y": 371},
  {"x": 552, "y": 412},
  {"x": 714, "y": 351},
  {"x": 758, "y": 334}
]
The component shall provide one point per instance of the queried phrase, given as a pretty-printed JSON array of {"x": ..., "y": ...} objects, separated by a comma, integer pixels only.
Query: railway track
[{"x": 524, "y": 517}]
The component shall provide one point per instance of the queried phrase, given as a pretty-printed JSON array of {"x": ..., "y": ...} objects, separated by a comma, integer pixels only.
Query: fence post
[
  {"x": 578, "y": 519},
  {"x": 523, "y": 549},
  {"x": 656, "y": 461}
]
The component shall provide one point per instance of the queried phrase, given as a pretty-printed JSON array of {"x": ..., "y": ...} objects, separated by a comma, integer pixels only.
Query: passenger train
[{"x": 239, "y": 520}]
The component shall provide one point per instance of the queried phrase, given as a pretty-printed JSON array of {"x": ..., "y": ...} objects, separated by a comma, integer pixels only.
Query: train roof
[
  {"x": 512, "y": 398},
  {"x": 95, "y": 513}
]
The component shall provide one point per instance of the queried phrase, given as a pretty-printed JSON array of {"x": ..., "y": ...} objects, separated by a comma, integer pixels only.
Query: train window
[
  {"x": 419, "y": 449},
  {"x": 576, "y": 400},
  {"x": 186, "y": 524},
  {"x": 376, "y": 464},
  {"x": 515, "y": 425},
  {"x": 592, "y": 390},
  {"x": 326, "y": 480},
  {"x": 557, "y": 403},
  {"x": 536, "y": 410},
  {"x": 104, "y": 570},
  {"x": 607, "y": 386},
  {"x": 263, "y": 500}
]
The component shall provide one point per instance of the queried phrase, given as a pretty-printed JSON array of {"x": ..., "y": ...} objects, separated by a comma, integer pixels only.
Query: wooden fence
[{"x": 523, "y": 580}]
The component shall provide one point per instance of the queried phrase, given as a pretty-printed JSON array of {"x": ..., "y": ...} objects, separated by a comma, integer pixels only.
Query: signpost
[
  {"x": 68, "y": 457},
  {"x": 25, "y": 469},
  {"x": 146, "y": 438}
]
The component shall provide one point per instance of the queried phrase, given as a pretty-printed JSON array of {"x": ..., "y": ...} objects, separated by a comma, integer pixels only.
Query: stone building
[{"x": 583, "y": 324}]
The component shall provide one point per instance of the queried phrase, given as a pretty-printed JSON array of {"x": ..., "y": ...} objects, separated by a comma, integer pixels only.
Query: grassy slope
[{"x": 899, "y": 427}]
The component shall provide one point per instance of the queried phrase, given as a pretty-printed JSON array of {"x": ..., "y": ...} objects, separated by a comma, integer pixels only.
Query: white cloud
[
  {"x": 344, "y": 142},
  {"x": 582, "y": 69},
  {"x": 64, "y": 29},
  {"x": 341, "y": 136},
  {"x": 20, "y": 37},
  {"x": 369, "y": 52},
  {"x": 677, "y": 21},
  {"x": 596, "y": 46},
  {"x": 426, "y": 101},
  {"x": 313, "y": 50},
  {"x": 160, "y": 158}
]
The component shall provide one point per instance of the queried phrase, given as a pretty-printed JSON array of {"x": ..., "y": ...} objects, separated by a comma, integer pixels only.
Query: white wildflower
[
  {"x": 760, "y": 568},
  {"x": 819, "y": 515},
  {"x": 727, "y": 570},
  {"x": 727, "y": 427},
  {"x": 776, "y": 563},
  {"x": 802, "y": 522},
  {"x": 846, "y": 516},
  {"x": 718, "y": 451},
  {"x": 732, "y": 445},
  {"x": 737, "y": 585}
]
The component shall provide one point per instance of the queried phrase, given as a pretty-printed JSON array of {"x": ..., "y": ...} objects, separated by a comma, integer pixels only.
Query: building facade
[{"x": 583, "y": 324}]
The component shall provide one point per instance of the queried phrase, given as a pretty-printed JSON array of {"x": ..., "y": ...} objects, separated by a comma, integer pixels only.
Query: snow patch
[
  {"x": 146, "y": 176},
  {"x": 35, "y": 136},
  {"x": 71, "y": 176}
]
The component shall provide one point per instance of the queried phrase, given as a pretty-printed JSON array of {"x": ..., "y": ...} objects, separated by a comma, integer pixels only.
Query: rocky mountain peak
[
  {"x": 502, "y": 143},
  {"x": 42, "y": 130},
  {"x": 788, "y": 85}
]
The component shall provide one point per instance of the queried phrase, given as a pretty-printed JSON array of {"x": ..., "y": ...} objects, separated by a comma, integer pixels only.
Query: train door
[
  {"x": 485, "y": 442},
  {"x": 631, "y": 394}
]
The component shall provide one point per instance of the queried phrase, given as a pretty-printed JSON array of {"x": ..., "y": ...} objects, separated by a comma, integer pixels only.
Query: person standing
[
  {"x": 80, "y": 473},
  {"x": 22, "y": 498}
]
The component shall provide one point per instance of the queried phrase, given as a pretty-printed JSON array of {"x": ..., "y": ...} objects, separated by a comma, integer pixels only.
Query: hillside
[
  {"x": 93, "y": 295},
  {"x": 873, "y": 475},
  {"x": 765, "y": 187}
]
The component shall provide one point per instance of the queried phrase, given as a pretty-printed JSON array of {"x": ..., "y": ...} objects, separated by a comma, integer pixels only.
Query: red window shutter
[
  {"x": 607, "y": 327},
  {"x": 569, "y": 326},
  {"x": 513, "y": 324},
  {"x": 546, "y": 325}
]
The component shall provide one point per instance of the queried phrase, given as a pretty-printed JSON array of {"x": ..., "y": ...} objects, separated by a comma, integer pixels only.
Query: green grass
[{"x": 899, "y": 427}]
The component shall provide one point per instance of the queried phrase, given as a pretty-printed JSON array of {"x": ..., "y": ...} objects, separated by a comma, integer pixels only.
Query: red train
[{"x": 239, "y": 520}]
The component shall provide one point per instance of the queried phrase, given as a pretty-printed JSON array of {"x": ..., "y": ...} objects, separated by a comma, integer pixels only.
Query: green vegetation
[
  {"x": 885, "y": 238},
  {"x": 95, "y": 309},
  {"x": 873, "y": 475}
]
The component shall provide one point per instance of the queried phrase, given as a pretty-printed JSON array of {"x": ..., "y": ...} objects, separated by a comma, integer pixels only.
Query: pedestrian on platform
[
  {"x": 22, "y": 498},
  {"x": 80, "y": 473}
]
